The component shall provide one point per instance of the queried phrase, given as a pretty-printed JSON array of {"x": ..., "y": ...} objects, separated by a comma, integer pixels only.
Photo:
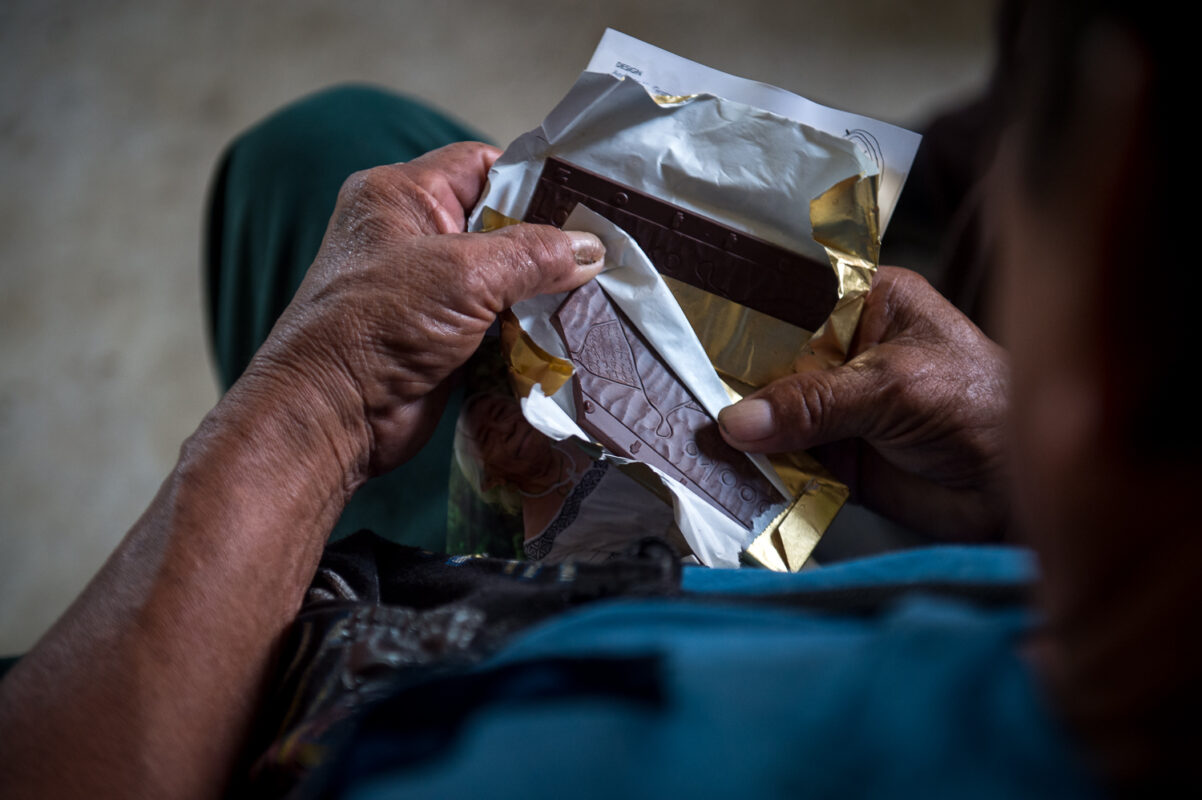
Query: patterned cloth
[{"x": 380, "y": 617}]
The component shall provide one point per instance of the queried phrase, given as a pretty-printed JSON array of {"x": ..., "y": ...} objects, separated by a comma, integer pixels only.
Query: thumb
[
  {"x": 524, "y": 260},
  {"x": 804, "y": 410}
]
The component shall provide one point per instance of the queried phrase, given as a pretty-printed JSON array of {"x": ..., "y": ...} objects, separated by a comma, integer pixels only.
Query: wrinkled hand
[
  {"x": 399, "y": 297},
  {"x": 350, "y": 381},
  {"x": 914, "y": 422}
]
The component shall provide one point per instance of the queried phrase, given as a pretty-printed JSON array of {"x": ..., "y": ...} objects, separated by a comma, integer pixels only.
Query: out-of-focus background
[{"x": 112, "y": 113}]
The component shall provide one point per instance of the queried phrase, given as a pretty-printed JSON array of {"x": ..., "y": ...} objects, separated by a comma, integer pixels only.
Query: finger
[
  {"x": 807, "y": 409},
  {"x": 887, "y": 307},
  {"x": 520, "y": 261},
  {"x": 906, "y": 498},
  {"x": 900, "y": 302},
  {"x": 454, "y": 176},
  {"x": 925, "y": 505}
]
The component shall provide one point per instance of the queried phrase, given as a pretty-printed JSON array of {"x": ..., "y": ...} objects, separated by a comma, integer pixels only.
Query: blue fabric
[
  {"x": 927, "y": 698},
  {"x": 951, "y": 563}
]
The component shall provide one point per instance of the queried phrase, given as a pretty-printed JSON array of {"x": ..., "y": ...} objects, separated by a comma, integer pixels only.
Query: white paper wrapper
[
  {"x": 667, "y": 74},
  {"x": 737, "y": 165}
]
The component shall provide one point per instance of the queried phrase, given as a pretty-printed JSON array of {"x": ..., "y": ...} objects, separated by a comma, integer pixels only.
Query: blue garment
[{"x": 702, "y": 695}]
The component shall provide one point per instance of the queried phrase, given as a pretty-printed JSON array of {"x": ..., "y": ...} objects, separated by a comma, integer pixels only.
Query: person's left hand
[
  {"x": 399, "y": 297},
  {"x": 914, "y": 422}
]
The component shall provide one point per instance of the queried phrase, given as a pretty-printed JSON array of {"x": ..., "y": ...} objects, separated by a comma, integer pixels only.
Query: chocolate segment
[
  {"x": 693, "y": 249},
  {"x": 630, "y": 401}
]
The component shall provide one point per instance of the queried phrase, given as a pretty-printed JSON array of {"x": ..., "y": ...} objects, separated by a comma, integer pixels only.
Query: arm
[
  {"x": 148, "y": 684},
  {"x": 914, "y": 422}
]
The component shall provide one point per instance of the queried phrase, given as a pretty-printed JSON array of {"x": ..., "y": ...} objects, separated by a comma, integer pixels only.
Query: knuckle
[
  {"x": 464, "y": 276},
  {"x": 816, "y": 399},
  {"x": 463, "y": 150},
  {"x": 530, "y": 249},
  {"x": 381, "y": 198},
  {"x": 354, "y": 186},
  {"x": 367, "y": 184},
  {"x": 899, "y": 293},
  {"x": 801, "y": 403},
  {"x": 546, "y": 245},
  {"x": 421, "y": 209},
  {"x": 901, "y": 282},
  {"x": 909, "y": 280},
  {"x": 359, "y": 199},
  {"x": 475, "y": 280}
]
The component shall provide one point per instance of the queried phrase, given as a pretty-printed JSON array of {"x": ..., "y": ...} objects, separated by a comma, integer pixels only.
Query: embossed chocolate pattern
[
  {"x": 629, "y": 400},
  {"x": 693, "y": 249}
]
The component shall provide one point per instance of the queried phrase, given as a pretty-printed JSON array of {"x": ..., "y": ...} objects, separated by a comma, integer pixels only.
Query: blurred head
[{"x": 1097, "y": 296}]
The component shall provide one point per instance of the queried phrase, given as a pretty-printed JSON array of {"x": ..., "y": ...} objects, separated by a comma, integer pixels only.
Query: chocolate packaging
[{"x": 742, "y": 225}]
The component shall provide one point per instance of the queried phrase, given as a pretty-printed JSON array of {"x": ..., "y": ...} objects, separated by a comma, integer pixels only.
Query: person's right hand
[{"x": 914, "y": 422}]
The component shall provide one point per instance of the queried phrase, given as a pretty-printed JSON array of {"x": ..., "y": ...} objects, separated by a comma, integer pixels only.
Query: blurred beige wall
[{"x": 112, "y": 114}]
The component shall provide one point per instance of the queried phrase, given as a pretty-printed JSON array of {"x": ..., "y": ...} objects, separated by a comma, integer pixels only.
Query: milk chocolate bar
[
  {"x": 693, "y": 249},
  {"x": 629, "y": 400}
]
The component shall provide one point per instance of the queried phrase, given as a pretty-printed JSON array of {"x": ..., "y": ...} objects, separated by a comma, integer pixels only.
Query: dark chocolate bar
[
  {"x": 693, "y": 249},
  {"x": 629, "y": 400}
]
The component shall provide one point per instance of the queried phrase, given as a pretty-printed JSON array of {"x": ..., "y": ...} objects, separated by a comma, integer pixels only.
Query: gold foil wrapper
[
  {"x": 528, "y": 363},
  {"x": 845, "y": 221},
  {"x": 787, "y": 543},
  {"x": 670, "y": 100},
  {"x": 743, "y": 344},
  {"x": 491, "y": 220},
  {"x": 752, "y": 349}
]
